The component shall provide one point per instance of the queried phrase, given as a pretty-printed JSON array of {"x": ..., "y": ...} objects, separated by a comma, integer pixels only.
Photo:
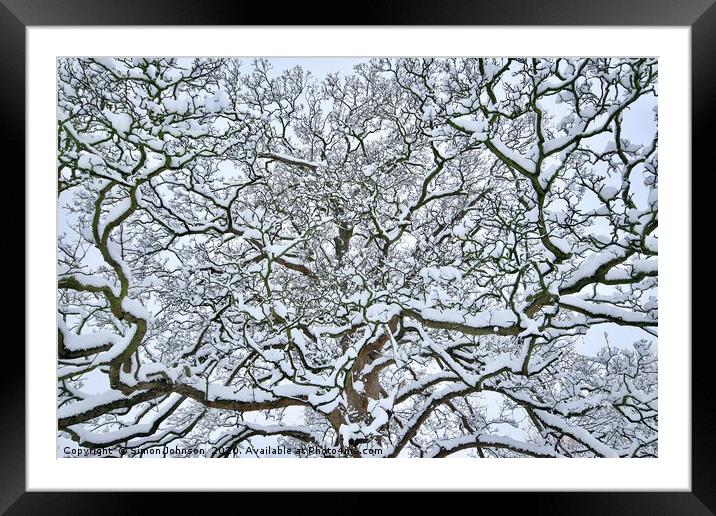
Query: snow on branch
[{"x": 430, "y": 257}]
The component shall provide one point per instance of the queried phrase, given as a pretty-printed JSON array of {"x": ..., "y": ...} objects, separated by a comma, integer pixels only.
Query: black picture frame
[{"x": 700, "y": 15}]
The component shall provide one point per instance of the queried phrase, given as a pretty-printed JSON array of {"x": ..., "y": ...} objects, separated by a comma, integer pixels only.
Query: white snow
[{"x": 120, "y": 122}]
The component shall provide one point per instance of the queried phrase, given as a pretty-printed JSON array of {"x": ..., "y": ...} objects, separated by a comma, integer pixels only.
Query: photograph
[{"x": 357, "y": 257}]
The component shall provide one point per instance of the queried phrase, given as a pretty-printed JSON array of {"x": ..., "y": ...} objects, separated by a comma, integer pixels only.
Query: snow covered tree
[{"x": 405, "y": 258}]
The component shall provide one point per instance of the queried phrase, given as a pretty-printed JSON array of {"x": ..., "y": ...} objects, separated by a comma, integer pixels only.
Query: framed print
[{"x": 266, "y": 251}]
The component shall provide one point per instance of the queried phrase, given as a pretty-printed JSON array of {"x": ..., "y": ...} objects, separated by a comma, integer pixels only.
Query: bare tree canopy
[{"x": 404, "y": 258}]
